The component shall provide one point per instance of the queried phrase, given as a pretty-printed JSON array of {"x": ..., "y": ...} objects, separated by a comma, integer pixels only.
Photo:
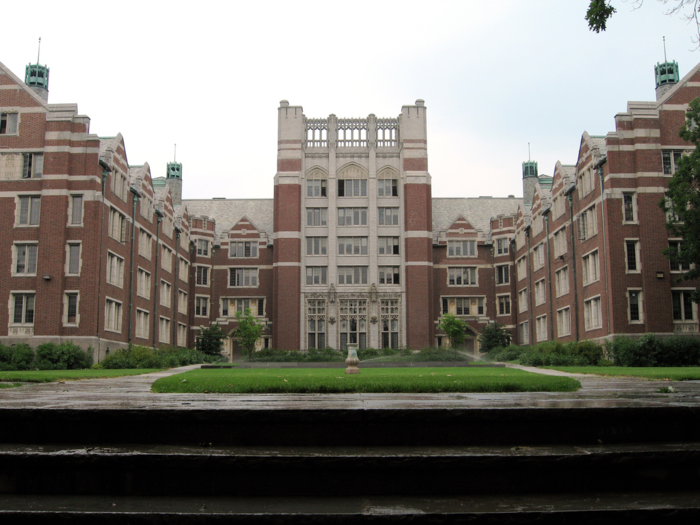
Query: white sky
[{"x": 209, "y": 76}]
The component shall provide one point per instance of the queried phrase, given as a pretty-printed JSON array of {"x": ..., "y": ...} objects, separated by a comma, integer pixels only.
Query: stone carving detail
[
  {"x": 316, "y": 173},
  {"x": 387, "y": 172},
  {"x": 352, "y": 171}
]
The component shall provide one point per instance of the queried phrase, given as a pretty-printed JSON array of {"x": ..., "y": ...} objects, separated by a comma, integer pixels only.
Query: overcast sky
[{"x": 209, "y": 76}]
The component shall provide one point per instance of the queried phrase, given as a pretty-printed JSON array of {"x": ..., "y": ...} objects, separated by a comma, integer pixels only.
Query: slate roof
[
  {"x": 478, "y": 211},
  {"x": 227, "y": 212}
]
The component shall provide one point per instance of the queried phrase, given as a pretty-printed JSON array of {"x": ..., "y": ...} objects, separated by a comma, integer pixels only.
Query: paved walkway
[{"x": 133, "y": 392}]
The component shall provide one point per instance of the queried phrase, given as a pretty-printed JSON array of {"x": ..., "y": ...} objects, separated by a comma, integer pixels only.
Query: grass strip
[
  {"x": 675, "y": 373},
  {"x": 51, "y": 376},
  {"x": 374, "y": 380},
  {"x": 10, "y": 385}
]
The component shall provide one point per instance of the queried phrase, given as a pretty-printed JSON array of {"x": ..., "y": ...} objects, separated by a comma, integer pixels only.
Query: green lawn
[
  {"x": 655, "y": 373},
  {"x": 377, "y": 380},
  {"x": 9, "y": 385},
  {"x": 50, "y": 376}
]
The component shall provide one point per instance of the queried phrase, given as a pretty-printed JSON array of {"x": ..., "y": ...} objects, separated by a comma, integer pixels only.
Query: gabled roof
[
  {"x": 477, "y": 211},
  {"x": 24, "y": 86},
  {"x": 228, "y": 212},
  {"x": 679, "y": 85}
]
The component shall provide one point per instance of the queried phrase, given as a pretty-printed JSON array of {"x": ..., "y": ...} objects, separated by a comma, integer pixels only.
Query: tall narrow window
[
  {"x": 71, "y": 308},
  {"x": 628, "y": 207},
  {"x": 23, "y": 308},
  {"x": 76, "y": 215},
  {"x": 33, "y": 165},
  {"x": 29, "y": 210},
  {"x": 73, "y": 259},
  {"x": 634, "y": 298},
  {"x": 632, "y": 247}
]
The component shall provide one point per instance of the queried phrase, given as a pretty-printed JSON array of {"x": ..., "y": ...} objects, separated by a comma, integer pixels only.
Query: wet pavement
[{"x": 133, "y": 392}]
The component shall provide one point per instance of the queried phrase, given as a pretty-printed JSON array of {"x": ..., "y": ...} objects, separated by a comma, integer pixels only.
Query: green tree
[
  {"x": 682, "y": 203},
  {"x": 248, "y": 331},
  {"x": 454, "y": 328},
  {"x": 494, "y": 336},
  {"x": 598, "y": 14},
  {"x": 211, "y": 339}
]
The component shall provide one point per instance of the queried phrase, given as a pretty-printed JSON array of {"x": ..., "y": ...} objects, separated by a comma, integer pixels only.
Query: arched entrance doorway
[{"x": 471, "y": 341}]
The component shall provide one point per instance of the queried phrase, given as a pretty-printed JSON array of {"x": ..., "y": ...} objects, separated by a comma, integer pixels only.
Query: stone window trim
[
  {"x": 28, "y": 210},
  {"x": 68, "y": 297},
  {"x": 182, "y": 302},
  {"x": 502, "y": 272},
  {"x": 145, "y": 244},
  {"x": 590, "y": 261},
  {"x": 541, "y": 328},
  {"x": 69, "y": 267},
  {"x": 143, "y": 284},
  {"x": 524, "y": 333},
  {"x": 30, "y": 258},
  {"x": 166, "y": 293},
  {"x": 630, "y": 210},
  {"x": 27, "y": 307},
  {"x": 461, "y": 305},
  {"x": 561, "y": 330},
  {"x": 540, "y": 292},
  {"x": 243, "y": 277},
  {"x": 142, "y": 324},
  {"x": 113, "y": 315},
  {"x": 504, "y": 305},
  {"x": 633, "y": 260},
  {"x": 203, "y": 247},
  {"x": 687, "y": 309},
  {"x": 9, "y": 122},
  {"x": 316, "y": 275},
  {"x": 202, "y": 274},
  {"x": 522, "y": 300},
  {"x": 677, "y": 267},
  {"x": 461, "y": 248},
  {"x": 635, "y": 294},
  {"x": 593, "y": 305},
  {"x": 239, "y": 249},
  {"x": 561, "y": 278},
  {"x": 115, "y": 270},
  {"x": 164, "y": 330},
  {"x": 76, "y": 210},
  {"x": 229, "y": 305},
  {"x": 201, "y": 305},
  {"x": 459, "y": 276}
]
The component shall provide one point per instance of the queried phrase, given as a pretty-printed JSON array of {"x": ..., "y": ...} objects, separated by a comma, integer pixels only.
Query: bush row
[
  {"x": 163, "y": 357},
  {"x": 48, "y": 356},
  {"x": 648, "y": 350},
  {"x": 269, "y": 355}
]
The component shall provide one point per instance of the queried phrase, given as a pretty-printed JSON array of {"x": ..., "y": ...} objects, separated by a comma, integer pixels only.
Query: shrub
[
  {"x": 628, "y": 352},
  {"x": 22, "y": 357},
  {"x": 509, "y": 353},
  {"x": 64, "y": 356},
  {"x": 494, "y": 336},
  {"x": 210, "y": 339},
  {"x": 370, "y": 353},
  {"x": 145, "y": 357},
  {"x": 5, "y": 358},
  {"x": 678, "y": 351},
  {"x": 590, "y": 351}
]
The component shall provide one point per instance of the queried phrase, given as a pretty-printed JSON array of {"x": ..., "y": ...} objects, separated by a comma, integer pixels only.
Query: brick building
[{"x": 352, "y": 248}]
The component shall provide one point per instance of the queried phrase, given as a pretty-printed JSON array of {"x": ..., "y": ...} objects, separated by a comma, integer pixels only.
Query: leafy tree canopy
[
  {"x": 454, "y": 328},
  {"x": 211, "y": 339},
  {"x": 598, "y": 14},
  {"x": 248, "y": 332},
  {"x": 494, "y": 336},
  {"x": 682, "y": 203}
]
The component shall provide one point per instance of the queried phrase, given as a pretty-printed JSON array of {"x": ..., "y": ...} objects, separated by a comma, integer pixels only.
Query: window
[
  {"x": 541, "y": 328},
  {"x": 670, "y": 160},
  {"x": 353, "y": 322},
  {"x": 119, "y": 184},
  {"x": 247, "y": 249},
  {"x": 166, "y": 261},
  {"x": 23, "y": 308},
  {"x": 461, "y": 248},
  {"x": 388, "y": 245},
  {"x": 502, "y": 246},
  {"x": 115, "y": 270},
  {"x": 387, "y": 188},
  {"x": 558, "y": 206},
  {"x": 503, "y": 274},
  {"x": 184, "y": 270},
  {"x": 683, "y": 308},
  {"x": 243, "y": 277},
  {"x": 564, "y": 322},
  {"x": 142, "y": 324},
  {"x": 352, "y": 217},
  {"x": 539, "y": 292},
  {"x": 587, "y": 224},
  {"x": 463, "y": 305},
  {"x": 352, "y": 275},
  {"x": 203, "y": 248},
  {"x": 537, "y": 224},
  {"x": 524, "y": 333},
  {"x": 538, "y": 256},
  {"x": 632, "y": 256},
  {"x": 25, "y": 259},
  {"x": 316, "y": 275},
  {"x": 164, "y": 330},
  {"x": 145, "y": 244},
  {"x": 76, "y": 210},
  {"x": 388, "y": 216},
  {"x": 316, "y": 245},
  {"x": 167, "y": 227},
  {"x": 629, "y": 207},
  {"x": 255, "y": 305},
  {"x": 671, "y": 215},
  {"x": 146, "y": 207},
  {"x": 352, "y": 187},
  {"x": 29, "y": 210},
  {"x": 560, "y": 245},
  {"x": 316, "y": 188},
  {"x": 166, "y": 294},
  {"x": 561, "y": 281},
  {"x": 634, "y": 305},
  {"x": 202, "y": 276},
  {"x": 522, "y": 300},
  {"x": 143, "y": 284},
  {"x": 113, "y": 316},
  {"x": 389, "y": 311},
  {"x": 504, "y": 305},
  {"x": 461, "y": 276},
  {"x": 73, "y": 259},
  {"x": 316, "y": 216},
  {"x": 591, "y": 314},
  {"x": 676, "y": 247},
  {"x": 201, "y": 306},
  {"x": 8, "y": 123},
  {"x": 352, "y": 245},
  {"x": 70, "y": 308},
  {"x": 586, "y": 183},
  {"x": 389, "y": 275},
  {"x": 590, "y": 268},
  {"x": 181, "y": 335},
  {"x": 32, "y": 165},
  {"x": 316, "y": 315},
  {"x": 117, "y": 225},
  {"x": 522, "y": 268},
  {"x": 182, "y": 302}
]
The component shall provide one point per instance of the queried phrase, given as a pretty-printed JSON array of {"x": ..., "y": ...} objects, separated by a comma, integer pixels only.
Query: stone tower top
[
  {"x": 667, "y": 76},
  {"x": 530, "y": 180}
]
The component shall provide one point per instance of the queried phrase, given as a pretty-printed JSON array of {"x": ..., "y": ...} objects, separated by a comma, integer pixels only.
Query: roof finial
[
  {"x": 175, "y": 154},
  {"x": 665, "y": 50},
  {"x": 38, "y": 53}
]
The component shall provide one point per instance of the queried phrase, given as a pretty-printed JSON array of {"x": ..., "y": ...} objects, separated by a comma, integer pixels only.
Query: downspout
[
  {"x": 549, "y": 274},
  {"x": 159, "y": 218},
  {"x": 569, "y": 193},
  {"x": 176, "y": 288},
  {"x": 599, "y": 166},
  {"x": 529, "y": 285},
  {"x": 135, "y": 192},
  {"x": 105, "y": 173}
]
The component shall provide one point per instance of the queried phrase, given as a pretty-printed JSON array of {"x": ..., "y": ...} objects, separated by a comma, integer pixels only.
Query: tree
[
  {"x": 454, "y": 328},
  {"x": 248, "y": 332},
  {"x": 211, "y": 339},
  {"x": 682, "y": 203},
  {"x": 600, "y": 11},
  {"x": 494, "y": 336}
]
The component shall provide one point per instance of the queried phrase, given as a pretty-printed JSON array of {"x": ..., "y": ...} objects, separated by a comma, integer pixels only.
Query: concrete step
[
  {"x": 293, "y": 425},
  {"x": 343, "y": 471},
  {"x": 646, "y": 507}
]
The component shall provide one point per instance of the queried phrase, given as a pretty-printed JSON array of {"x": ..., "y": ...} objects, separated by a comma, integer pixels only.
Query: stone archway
[{"x": 471, "y": 341}]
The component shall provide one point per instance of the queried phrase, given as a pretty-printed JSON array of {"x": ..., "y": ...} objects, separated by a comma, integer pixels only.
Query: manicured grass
[
  {"x": 691, "y": 373},
  {"x": 9, "y": 385},
  {"x": 377, "y": 380},
  {"x": 50, "y": 376},
  {"x": 417, "y": 358}
]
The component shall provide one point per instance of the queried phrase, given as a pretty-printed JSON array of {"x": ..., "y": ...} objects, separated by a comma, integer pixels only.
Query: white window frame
[
  {"x": 198, "y": 300},
  {"x": 249, "y": 273},
  {"x": 563, "y": 331},
  {"x": 637, "y": 256},
  {"x": 166, "y": 293},
  {"x": 142, "y": 323},
  {"x": 499, "y": 299},
  {"x": 115, "y": 324},
  {"x": 119, "y": 280},
  {"x": 164, "y": 330},
  {"x": 11, "y": 305},
  {"x": 502, "y": 274},
  {"x": 15, "y": 259},
  {"x": 468, "y": 271},
  {"x": 33, "y": 217},
  {"x": 640, "y": 305},
  {"x": 540, "y": 292},
  {"x": 586, "y": 266},
  {"x": 541, "y": 328},
  {"x": 143, "y": 284},
  {"x": 462, "y": 248},
  {"x": 145, "y": 244},
  {"x": 72, "y": 208},
  {"x": 64, "y": 317},
  {"x": 67, "y": 268},
  {"x": 635, "y": 209},
  {"x": 588, "y": 304},
  {"x": 561, "y": 281},
  {"x": 316, "y": 273},
  {"x": 182, "y": 302},
  {"x": 206, "y": 272},
  {"x": 522, "y": 300}
]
